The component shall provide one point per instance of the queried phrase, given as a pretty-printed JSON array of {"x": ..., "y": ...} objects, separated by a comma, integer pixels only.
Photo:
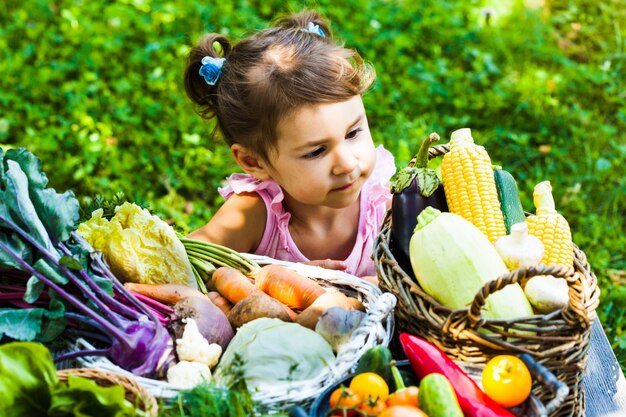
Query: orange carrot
[
  {"x": 232, "y": 284},
  {"x": 287, "y": 286},
  {"x": 221, "y": 302},
  {"x": 164, "y": 293}
]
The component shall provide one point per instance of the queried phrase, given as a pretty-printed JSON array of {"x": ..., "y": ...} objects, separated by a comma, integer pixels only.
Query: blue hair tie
[
  {"x": 211, "y": 69},
  {"x": 314, "y": 29}
]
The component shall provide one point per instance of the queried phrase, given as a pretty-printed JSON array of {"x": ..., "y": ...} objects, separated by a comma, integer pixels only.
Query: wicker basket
[
  {"x": 558, "y": 340},
  {"x": 376, "y": 328},
  {"x": 135, "y": 393}
]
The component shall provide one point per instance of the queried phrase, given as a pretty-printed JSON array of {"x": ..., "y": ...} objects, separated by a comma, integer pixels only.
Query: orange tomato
[
  {"x": 344, "y": 398},
  {"x": 506, "y": 380},
  {"x": 402, "y": 411},
  {"x": 372, "y": 408},
  {"x": 405, "y": 396},
  {"x": 369, "y": 385}
]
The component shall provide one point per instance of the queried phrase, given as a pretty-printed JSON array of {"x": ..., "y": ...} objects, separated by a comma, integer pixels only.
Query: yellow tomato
[
  {"x": 506, "y": 380},
  {"x": 370, "y": 386}
]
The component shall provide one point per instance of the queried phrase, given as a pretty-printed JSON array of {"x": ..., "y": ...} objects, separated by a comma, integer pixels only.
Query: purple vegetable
[
  {"x": 64, "y": 281},
  {"x": 415, "y": 188},
  {"x": 211, "y": 321},
  {"x": 137, "y": 341}
]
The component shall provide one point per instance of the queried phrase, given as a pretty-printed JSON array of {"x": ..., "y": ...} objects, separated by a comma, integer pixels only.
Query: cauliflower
[
  {"x": 186, "y": 375},
  {"x": 193, "y": 347}
]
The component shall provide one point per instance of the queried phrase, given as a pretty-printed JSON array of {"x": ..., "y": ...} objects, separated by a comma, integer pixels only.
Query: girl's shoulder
[{"x": 238, "y": 224}]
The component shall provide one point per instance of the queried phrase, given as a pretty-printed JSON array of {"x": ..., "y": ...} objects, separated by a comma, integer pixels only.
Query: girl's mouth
[{"x": 344, "y": 187}]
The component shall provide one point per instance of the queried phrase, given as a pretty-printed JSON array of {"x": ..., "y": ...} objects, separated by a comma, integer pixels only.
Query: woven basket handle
[{"x": 570, "y": 276}]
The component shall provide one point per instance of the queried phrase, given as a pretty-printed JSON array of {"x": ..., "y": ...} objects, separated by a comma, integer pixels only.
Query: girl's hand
[
  {"x": 371, "y": 278},
  {"x": 329, "y": 264}
]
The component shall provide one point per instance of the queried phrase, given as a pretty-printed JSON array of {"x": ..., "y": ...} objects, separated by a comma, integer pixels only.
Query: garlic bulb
[
  {"x": 547, "y": 293},
  {"x": 519, "y": 248}
]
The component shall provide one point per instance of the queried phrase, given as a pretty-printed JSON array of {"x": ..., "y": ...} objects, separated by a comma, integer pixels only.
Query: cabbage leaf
[
  {"x": 139, "y": 246},
  {"x": 275, "y": 352}
]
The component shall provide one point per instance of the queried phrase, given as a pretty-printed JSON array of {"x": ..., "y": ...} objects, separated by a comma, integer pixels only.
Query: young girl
[{"x": 288, "y": 102}]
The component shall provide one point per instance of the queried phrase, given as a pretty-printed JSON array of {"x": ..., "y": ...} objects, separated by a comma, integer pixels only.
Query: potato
[{"x": 254, "y": 306}]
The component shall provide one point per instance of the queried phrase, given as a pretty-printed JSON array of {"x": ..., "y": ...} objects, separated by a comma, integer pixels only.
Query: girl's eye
[
  {"x": 314, "y": 154},
  {"x": 353, "y": 133}
]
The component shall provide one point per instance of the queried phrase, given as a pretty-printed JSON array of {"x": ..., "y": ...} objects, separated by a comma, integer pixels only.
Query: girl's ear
[{"x": 250, "y": 162}]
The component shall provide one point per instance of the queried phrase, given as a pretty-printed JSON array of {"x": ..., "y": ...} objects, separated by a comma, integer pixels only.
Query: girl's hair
[{"x": 269, "y": 75}]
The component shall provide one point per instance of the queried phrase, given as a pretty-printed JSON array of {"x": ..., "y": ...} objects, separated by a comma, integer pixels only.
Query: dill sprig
[{"x": 107, "y": 205}]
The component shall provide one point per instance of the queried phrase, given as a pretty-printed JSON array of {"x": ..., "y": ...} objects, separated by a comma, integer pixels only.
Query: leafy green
[
  {"x": 29, "y": 386},
  {"x": 82, "y": 397},
  {"x": 27, "y": 376},
  {"x": 64, "y": 278},
  {"x": 139, "y": 246}
]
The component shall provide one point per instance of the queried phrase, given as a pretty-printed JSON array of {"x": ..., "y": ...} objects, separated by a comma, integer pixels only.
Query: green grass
[{"x": 95, "y": 90}]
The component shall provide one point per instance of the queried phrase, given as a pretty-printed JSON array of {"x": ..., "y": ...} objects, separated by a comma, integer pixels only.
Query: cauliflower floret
[
  {"x": 194, "y": 347},
  {"x": 186, "y": 375}
]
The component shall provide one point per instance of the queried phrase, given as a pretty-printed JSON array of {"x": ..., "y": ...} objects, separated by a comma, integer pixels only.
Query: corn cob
[
  {"x": 551, "y": 228},
  {"x": 469, "y": 185}
]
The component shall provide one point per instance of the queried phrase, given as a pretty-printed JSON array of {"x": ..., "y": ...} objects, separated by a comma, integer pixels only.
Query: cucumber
[
  {"x": 508, "y": 194},
  {"x": 377, "y": 360},
  {"x": 437, "y": 398}
]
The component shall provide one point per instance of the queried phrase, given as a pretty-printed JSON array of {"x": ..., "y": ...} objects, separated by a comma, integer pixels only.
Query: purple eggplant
[{"x": 415, "y": 188}]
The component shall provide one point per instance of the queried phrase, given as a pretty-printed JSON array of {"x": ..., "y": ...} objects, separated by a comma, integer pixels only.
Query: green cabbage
[
  {"x": 275, "y": 352},
  {"x": 138, "y": 246}
]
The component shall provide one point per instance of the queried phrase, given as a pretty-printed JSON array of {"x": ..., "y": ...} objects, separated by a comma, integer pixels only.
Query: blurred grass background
[{"x": 94, "y": 88}]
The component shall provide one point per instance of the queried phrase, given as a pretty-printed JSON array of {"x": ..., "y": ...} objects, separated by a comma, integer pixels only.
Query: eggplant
[{"x": 415, "y": 188}]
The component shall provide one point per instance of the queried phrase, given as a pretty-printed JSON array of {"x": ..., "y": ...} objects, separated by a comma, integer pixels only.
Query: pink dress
[{"x": 277, "y": 242}]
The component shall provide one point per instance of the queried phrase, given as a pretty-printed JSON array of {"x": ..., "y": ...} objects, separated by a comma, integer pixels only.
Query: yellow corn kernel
[
  {"x": 551, "y": 228},
  {"x": 470, "y": 186}
]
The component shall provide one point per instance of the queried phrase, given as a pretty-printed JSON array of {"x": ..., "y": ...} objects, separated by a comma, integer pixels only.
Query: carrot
[
  {"x": 220, "y": 302},
  {"x": 287, "y": 286},
  {"x": 232, "y": 284},
  {"x": 164, "y": 293}
]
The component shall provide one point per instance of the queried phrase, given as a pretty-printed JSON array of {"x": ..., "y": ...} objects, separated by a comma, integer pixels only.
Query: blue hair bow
[
  {"x": 211, "y": 69},
  {"x": 314, "y": 29}
]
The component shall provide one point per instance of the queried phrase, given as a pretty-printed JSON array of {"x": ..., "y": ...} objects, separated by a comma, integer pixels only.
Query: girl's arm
[{"x": 238, "y": 224}]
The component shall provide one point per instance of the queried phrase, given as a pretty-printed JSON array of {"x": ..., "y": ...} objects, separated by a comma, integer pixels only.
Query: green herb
[
  {"x": 211, "y": 400},
  {"x": 107, "y": 205}
]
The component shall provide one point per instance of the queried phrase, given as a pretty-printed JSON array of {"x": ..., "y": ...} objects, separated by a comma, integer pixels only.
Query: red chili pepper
[{"x": 426, "y": 358}]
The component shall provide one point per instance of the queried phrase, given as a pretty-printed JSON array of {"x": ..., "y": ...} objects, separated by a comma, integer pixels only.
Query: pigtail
[
  {"x": 302, "y": 20},
  {"x": 196, "y": 86}
]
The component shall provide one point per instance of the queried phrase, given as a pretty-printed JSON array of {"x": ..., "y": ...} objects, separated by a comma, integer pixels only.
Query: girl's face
[{"x": 325, "y": 153}]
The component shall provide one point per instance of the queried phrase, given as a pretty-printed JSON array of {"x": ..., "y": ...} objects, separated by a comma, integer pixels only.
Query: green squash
[{"x": 452, "y": 260}]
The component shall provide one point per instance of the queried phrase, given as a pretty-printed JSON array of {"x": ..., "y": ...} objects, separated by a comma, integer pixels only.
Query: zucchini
[
  {"x": 508, "y": 194},
  {"x": 437, "y": 398},
  {"x": 377, "y": 360},
  {"x": 452, "y": 260}
]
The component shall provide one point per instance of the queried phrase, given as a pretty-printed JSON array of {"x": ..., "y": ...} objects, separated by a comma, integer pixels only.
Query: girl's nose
[{"x": 345, "y": 161}]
